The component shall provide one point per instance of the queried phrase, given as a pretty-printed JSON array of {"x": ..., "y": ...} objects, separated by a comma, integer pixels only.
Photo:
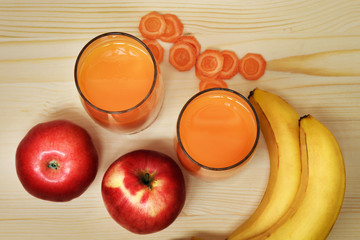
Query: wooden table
[{"x": 313, "y": 54}]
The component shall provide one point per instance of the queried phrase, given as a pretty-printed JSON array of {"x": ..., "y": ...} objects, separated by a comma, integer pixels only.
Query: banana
[
  {"x": 322, "y": 188},
  {"x": 279, "y": 125}
]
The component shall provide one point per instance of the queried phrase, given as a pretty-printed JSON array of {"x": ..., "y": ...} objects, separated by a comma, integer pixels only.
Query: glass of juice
[
  {"x": 217, "y": 133},
  {"x": 119, "y": 82}
]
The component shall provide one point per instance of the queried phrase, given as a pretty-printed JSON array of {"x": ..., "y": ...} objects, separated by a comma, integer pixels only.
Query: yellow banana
[
  {"x": 322, "y": 188},
  {"x": 279, "y": 125}
]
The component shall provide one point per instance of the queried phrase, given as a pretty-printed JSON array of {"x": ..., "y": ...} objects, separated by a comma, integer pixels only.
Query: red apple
[
  {"x": 56, "y": 161},
  {"x": 144, "y": 191}
]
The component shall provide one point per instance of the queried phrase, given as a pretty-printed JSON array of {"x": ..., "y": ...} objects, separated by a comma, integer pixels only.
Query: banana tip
[
  {"x": 251, "y": 93},
  {"x": 305, "y": 116}
]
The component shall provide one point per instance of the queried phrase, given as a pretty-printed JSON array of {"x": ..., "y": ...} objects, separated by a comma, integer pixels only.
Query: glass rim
[
  {"x": 121, "y": 34},
  {"x": 237, "y": 163}
]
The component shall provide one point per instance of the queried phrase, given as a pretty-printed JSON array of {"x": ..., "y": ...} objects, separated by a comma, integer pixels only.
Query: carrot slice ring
[
  {"x": 217, "y": 83},
  {"x": 152, "y": 25},
  {"x": 156, "y": 49},
  {"x": 182, "y": 56},
  {"x": 230, "y": 67},
  {"x": 203, "y": 78},
  {"x": 193, "y": 41},
  {"x": 174, "y": 28},
  {"x": 210, "y": 63},
  {"x": 252, "y": 66}
]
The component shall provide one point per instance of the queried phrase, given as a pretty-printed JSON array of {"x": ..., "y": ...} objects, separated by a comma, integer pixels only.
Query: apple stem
[
  {"x": 53, "y": 164},
  {"x": 146, "y": 179}
]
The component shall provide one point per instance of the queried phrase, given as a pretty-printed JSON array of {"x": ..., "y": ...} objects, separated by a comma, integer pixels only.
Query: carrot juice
[
  {"x": 119, "y": 82},
  {"x": 217, "y": 131}
]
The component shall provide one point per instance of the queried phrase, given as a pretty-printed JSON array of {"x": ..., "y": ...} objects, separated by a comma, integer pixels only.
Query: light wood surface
[{"x": 313, "y": 54}]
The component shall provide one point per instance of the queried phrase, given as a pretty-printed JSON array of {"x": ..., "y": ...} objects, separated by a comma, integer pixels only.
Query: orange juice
[
  {"x": 119, "y": 82},
  {"x": 217, "y": 131}
]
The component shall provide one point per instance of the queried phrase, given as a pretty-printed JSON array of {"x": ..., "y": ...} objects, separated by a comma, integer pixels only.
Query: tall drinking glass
[
  {"x": 119, "y": 82},
  {"x": 217, "y": 133}
]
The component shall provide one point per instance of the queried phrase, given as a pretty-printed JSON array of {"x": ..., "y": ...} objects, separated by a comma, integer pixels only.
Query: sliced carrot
[
  {"x": 217, "y": 83},
  {"x": 156, "y": 49},
  {"x": 201, "y": 77},
  {"x": 152, "y": 25},
  {"x": 182, "y": 56},
  {"x": 193, "y": 41},
  {"x": 174, "y": 28},
  {"x": 210, "y": 63},
  {"x": 230, "y": 66},
  {"x": 252, "y": 66}
]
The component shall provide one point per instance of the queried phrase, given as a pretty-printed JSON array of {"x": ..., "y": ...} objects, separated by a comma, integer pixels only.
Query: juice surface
[
  {"x": 218, "y": 129},
  {"x": 115, "y": 74}
]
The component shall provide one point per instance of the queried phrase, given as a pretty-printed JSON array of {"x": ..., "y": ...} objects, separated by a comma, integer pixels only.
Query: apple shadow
[{"x": 162, "y": 145}]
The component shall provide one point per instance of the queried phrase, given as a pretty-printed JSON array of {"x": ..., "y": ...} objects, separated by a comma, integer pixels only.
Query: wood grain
[{"x": 313, "y": 54}]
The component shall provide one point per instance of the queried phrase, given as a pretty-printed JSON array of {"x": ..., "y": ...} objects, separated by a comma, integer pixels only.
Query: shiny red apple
[
  {"x": 56, "y": 161},
  {"x": 144, "y": 191}
]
